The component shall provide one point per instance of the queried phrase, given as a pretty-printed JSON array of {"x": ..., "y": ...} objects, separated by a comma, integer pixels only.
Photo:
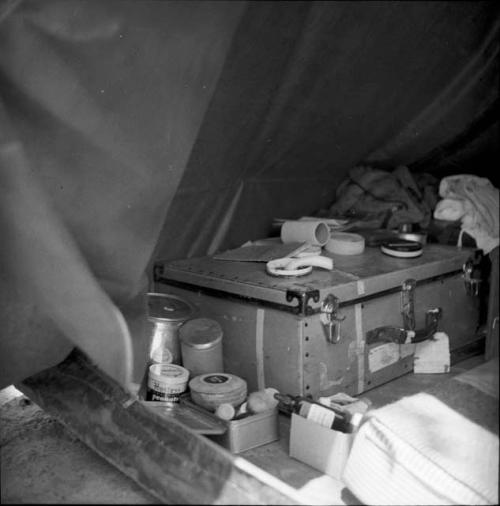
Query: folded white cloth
[
  {"x": 433, "y": 355},
  {"x": 475, "y": 201},
  {"x": 418, "y": 451}
]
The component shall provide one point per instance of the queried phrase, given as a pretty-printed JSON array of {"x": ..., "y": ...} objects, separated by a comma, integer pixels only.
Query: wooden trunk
[{"x": 276, "y": 332}]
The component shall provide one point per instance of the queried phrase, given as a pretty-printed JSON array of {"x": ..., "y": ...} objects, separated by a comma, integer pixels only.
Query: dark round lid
[
  {"x": 402, "y": 245},
  {"x": 167, "y": 307},
  {"x": 401, "y": 248},
  {"x": 200, "y": 333}
]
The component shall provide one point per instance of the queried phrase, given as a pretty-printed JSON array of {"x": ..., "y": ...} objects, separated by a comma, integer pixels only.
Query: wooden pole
[{"x": 167, "y": 459}]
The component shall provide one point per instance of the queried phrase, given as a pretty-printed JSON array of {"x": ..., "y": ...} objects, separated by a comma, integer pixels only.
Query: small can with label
[
  {"x": 166, "y": 382},
  {"x": 201, "y": 346}
]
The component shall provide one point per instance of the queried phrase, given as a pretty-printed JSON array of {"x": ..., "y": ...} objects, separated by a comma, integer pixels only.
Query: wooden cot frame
[{"x": 168, "y": 460}]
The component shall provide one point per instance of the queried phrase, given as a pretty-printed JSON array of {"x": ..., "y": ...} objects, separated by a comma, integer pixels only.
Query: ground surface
[{"x": 41, "y": 462}]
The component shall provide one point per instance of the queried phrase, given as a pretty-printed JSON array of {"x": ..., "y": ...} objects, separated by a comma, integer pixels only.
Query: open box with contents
[
  {"x": 237, "y": 436},
  {"x": 242, "y": 426}
]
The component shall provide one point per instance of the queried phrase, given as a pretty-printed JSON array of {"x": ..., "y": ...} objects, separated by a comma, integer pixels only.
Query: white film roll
[
  {"x": 343, "y": 243},
  {"x": 313, "y": 232}
]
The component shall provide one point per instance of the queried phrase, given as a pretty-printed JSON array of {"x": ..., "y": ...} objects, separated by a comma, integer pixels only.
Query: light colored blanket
[{"x": 419, "y": 451}]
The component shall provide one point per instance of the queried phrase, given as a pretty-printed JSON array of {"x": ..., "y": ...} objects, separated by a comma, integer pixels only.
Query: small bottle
[{"x": 333, "y": 418}]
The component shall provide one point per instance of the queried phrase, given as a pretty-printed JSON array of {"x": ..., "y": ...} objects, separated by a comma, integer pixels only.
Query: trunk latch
[
  {"x": 472, "y": 276},
  {"x": 331, "y": 319},
  {"x": 408, "y": 333},
  {"x": 408, "y": 303}
]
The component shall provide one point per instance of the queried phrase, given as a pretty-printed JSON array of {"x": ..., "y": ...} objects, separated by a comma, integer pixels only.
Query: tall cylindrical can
[
  {"x": 166, "y": 313},
  {"x": 201, "y": 346}
]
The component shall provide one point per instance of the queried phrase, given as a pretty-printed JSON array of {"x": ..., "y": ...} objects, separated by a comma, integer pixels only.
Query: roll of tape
[{"x": 343, "y": 243}]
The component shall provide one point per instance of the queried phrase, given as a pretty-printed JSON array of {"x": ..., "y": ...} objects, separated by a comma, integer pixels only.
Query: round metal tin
[{"x": 201, "y": 333}]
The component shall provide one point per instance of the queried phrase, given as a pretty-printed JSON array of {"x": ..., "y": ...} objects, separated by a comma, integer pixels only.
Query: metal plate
[{"x": 189, "y": 415}]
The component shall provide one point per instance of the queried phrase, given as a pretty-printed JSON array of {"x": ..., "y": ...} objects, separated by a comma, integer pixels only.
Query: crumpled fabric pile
[
  {"x": 382, "y": 199},
  {"x": 475, "y": 202}
]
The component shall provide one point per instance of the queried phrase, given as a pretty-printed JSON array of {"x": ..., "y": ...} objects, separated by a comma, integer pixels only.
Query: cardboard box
[{"x": 324, "y": 449}]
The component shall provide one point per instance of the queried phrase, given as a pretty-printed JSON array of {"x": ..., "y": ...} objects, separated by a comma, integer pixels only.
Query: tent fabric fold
[
  {"x": 173, "y": 129},
  {"x": 105, "y": 101}
]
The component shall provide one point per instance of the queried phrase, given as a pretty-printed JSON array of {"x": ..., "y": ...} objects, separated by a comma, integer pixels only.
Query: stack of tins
[
  {"x": 167, "y": 379},
  {"x": 197, "y": 345},
  {"x": 201, "y": 349}
]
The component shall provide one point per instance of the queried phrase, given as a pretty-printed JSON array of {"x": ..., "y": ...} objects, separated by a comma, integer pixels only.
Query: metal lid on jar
[
  {"x": 200, "y": 333},
  {"x": 167, "y": 307},
  {"x": 169, "y": 373}
]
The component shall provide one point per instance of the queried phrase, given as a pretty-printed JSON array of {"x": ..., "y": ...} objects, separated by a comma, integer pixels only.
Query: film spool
[
  {"x": 402, "y": 248},
  {"x": 315, "y": 232},
  {"x": 211, "y": 390},
  {"x": 344, "y": 243}
]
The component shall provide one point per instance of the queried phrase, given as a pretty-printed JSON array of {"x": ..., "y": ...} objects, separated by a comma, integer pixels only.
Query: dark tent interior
[{"x": 134, "y": 131}]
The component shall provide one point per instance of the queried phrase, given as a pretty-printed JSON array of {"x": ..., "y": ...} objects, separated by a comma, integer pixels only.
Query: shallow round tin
[
  {"x": 168, "y": 308},
  {"x": 212, "y": 390}
]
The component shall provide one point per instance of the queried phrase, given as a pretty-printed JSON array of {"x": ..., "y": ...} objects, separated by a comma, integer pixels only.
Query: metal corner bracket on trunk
[{"x": 303, "y": 298}]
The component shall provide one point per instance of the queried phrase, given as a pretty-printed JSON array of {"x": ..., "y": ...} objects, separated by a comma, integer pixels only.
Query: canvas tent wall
[{"x": 137, "y": 130}]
